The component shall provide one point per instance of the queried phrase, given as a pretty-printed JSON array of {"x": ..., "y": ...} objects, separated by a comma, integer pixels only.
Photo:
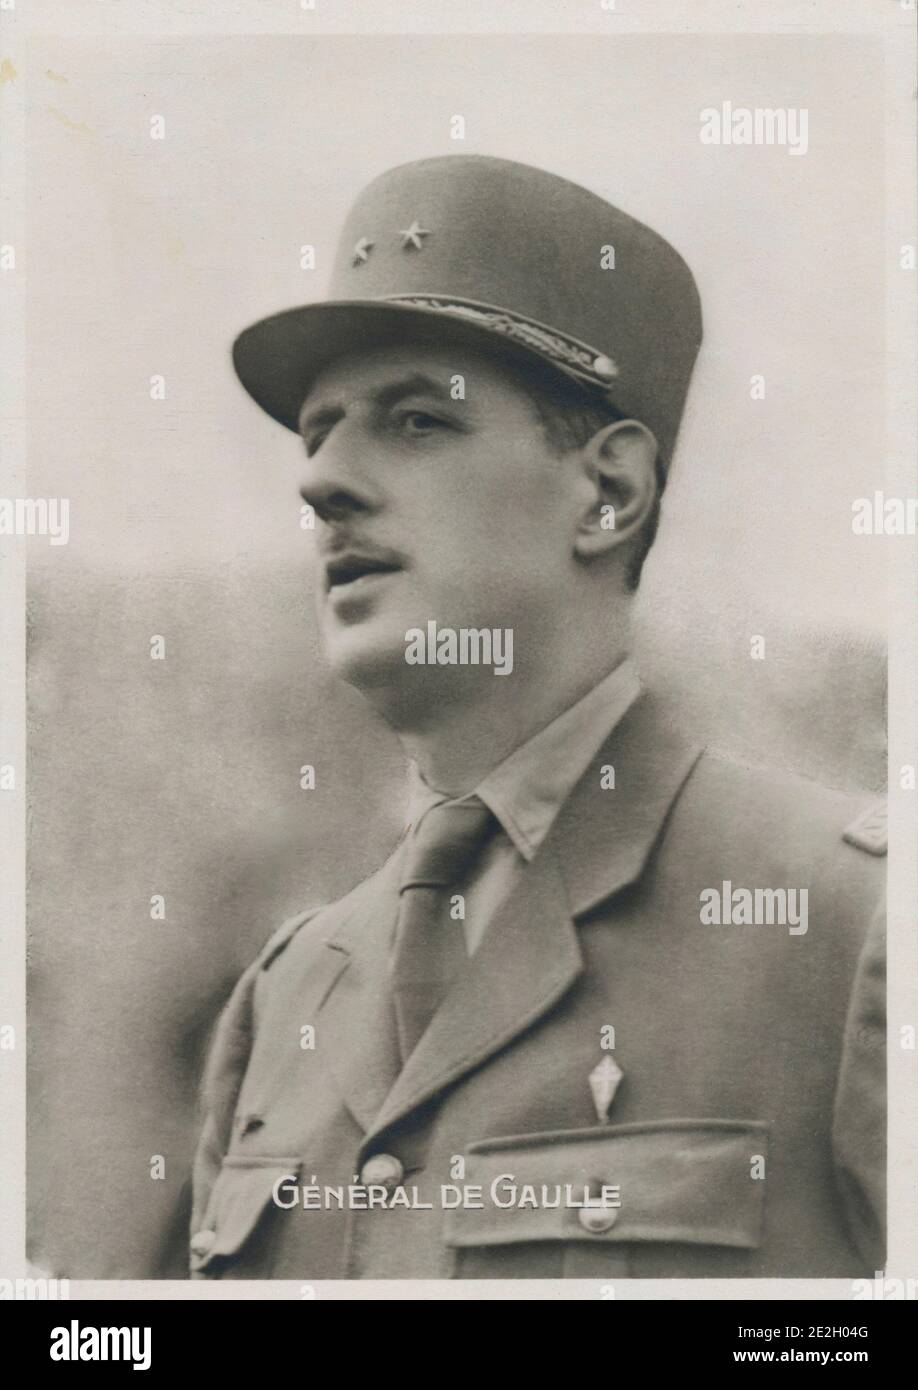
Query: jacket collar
[
  {"x": 530, "y": 955},
  {"x": 528, "y": 788},
  {"x": 605, "y": 833}
]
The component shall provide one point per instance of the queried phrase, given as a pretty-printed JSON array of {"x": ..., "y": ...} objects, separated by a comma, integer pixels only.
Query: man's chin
[
  {"x": 367, "y": 660},
  {"x": 404, "y": 695}
]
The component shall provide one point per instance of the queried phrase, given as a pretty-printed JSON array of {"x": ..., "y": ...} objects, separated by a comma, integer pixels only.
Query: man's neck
[{"x": 460, "y": 742}]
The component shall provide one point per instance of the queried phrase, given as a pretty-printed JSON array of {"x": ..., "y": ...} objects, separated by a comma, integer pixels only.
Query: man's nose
[{"x": 336, "y": 480}]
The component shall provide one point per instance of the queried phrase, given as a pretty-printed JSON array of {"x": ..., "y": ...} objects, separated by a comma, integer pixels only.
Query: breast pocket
[
  {"x": 549, "y": 1199},
  {"x": 235, "y": 1236}
]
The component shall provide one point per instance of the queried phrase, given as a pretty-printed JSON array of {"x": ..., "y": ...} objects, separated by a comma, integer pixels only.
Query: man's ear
[{"x": 620, "y": 463}]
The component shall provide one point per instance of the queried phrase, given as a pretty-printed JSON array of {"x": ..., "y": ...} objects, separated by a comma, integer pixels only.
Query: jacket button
[
  {"x": 597, "y": 1218},
  {"x": 382, "y": 1170},
  {"x": 202, "y": 1241}
]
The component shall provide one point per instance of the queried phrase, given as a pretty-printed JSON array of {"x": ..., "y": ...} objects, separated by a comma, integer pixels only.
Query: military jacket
[{"x": 656, "y": 1065}]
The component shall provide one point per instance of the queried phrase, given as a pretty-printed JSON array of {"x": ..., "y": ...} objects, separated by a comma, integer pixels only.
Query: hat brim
[{"x": 278, "y": 358}]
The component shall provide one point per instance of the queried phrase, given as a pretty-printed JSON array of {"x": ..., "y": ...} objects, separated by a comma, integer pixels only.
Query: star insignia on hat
[
  {"x": 411, "y": 236},
  {"x": 362, "y": 251}
]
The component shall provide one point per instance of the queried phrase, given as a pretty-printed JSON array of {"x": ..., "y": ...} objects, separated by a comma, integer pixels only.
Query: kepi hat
[{"x": 503, "y": 257}]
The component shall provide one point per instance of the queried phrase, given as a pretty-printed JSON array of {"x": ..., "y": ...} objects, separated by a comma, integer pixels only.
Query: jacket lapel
[
  {"x": 603, "y": 836},
  {"x": 527, "y": 960}
]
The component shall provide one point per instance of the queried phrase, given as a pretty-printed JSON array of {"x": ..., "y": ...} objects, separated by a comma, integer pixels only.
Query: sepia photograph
[{"x": 462, "y": 479}]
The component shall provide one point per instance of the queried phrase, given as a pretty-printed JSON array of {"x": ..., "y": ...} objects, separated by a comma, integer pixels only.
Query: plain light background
[{"x": 181, "y": 777}]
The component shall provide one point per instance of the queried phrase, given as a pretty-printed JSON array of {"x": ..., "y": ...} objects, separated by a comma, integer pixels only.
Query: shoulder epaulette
[{"x": 869, "y": 830}]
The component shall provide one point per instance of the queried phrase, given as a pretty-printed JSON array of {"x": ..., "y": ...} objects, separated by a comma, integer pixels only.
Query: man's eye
[{"x": 419, "y": 422}]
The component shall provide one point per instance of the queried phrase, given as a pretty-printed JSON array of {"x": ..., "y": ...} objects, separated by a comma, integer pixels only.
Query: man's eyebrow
[
  {"x": 322, "y": 415},
  {"x": 418, "y": 384}
]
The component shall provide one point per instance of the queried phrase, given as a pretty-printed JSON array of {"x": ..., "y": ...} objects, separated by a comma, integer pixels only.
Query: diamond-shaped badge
[{"x": 604, "y": 1082}]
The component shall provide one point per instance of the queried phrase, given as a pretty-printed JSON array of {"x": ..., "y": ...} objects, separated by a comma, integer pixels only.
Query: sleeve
[
  {"x": 225, "y": 1070},
  {"x": 226, "y": 1066},
  {"x": 859, "y": 1121}
]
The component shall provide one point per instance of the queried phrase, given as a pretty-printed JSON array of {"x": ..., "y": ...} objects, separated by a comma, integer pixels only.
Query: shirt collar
[{"x": 527, "y": 790}]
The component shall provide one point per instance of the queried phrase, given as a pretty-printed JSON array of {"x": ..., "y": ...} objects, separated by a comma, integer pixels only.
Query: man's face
[{"x": 430, "y": 508}]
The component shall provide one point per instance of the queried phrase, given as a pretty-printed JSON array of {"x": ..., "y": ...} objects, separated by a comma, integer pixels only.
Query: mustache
[{"x": 345, "y": 557}]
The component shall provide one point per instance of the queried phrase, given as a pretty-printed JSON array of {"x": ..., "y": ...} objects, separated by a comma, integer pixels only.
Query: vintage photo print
[{"x": 460, "y": 747}]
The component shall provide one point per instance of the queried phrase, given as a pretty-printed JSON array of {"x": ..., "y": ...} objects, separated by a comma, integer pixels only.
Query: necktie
[{"x": 429, "y": 943}]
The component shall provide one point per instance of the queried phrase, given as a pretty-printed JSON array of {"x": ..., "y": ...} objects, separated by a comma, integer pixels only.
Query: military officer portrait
[{"x": 613, "y": 1006}]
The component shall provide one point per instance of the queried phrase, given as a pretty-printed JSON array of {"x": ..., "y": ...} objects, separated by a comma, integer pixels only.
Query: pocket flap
[
  {"x": 244, "y": 1189},
  {"x": 691, "y": 1181}
]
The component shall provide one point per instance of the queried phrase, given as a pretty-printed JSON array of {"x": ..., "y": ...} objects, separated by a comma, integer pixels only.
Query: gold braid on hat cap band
[{"x": 582, "y": 361}]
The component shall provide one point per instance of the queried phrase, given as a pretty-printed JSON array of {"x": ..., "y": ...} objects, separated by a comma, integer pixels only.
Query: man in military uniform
[{"x": 614, "y": 1006}]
